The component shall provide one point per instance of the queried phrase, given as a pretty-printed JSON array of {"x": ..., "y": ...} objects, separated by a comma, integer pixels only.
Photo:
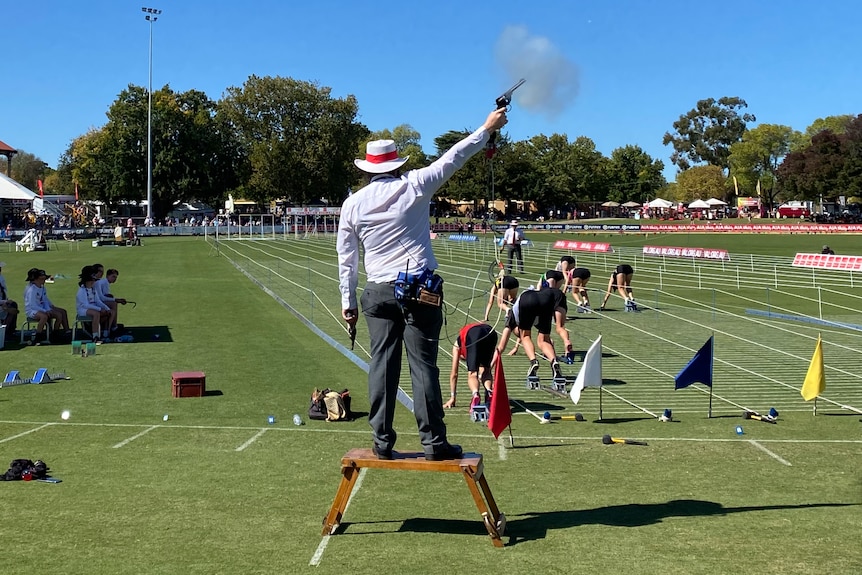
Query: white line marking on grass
[
  {"x": 501, "y": 449},
  {"x": 5, "y": 439},
  {"x": 477, "y": 436},
  {"x": 134, "y": 437},
  {"x": 770, "y": 453},
  {"x": 318, "y": 555},
  {"x": 252, "y": 440}
]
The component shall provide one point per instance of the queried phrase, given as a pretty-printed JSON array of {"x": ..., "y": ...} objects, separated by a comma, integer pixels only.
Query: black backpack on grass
[{"x": 18, "y": 467}]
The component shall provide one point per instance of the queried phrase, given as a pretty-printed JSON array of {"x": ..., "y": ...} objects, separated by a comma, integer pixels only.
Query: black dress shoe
[
  {"x": 444, "y": 452},
  {"x": 381, "y": 453}
]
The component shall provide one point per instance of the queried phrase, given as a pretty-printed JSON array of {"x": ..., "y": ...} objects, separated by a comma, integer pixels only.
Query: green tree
[
  {"x": 755, "y": 159},
  {"x": 298, "y": 141},
  {"x": 634, "y": 175},
  {"x": 27, "y": 169},
  {"x": 700, "y": 182},
  {"x": 555, "y": 165},
  {"x": 815, "y": 171},
  {"x": 705, "y": 134},
  {"x": 516, "y": 176},
  {"x": 835, "y": 124},
  {"x": 193, "y": 154},
  {"x": 589, "y": 171},
  {"x": 830, "y": 166}
]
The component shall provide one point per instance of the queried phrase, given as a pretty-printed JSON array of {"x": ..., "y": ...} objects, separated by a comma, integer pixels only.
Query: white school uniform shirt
[
  {"x": 87, "y": 299},
  {"x": 389, "y": 218},
  {"x": 36, "y": 300},
  {"x": 103, "y": 288},
  {"x": 4, "y": 292}
]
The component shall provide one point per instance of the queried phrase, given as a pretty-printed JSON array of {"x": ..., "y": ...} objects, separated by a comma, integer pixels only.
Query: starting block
[
  {"x": 559, "y": 384},
  {"x": 479, "y": 413},
  {"x": 470, "y": 466},
  {"x": 533, "y": 382},
  {"x": 41, "y": 376},
  {"x": 12, "y": 378}
]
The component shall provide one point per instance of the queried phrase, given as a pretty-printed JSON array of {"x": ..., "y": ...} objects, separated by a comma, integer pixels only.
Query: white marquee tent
[
  {"x": 699, "y": 205},
  {"x": 660, "y": 203},
  {"x": 12, "y": 190}
]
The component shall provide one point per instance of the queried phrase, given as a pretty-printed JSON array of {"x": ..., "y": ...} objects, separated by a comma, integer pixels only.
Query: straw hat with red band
[{"x": 380, "y": 157}]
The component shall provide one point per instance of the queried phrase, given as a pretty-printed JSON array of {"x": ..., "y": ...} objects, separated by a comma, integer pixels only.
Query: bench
[{"x": 470, "y": 466}]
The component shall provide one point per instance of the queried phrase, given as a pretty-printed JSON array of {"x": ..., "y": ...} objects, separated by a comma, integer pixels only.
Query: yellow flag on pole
[{"x": 815, "y": 379}]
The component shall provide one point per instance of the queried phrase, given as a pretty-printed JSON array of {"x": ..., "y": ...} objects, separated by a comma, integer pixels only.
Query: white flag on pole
[{"x": 591, "y": 371}]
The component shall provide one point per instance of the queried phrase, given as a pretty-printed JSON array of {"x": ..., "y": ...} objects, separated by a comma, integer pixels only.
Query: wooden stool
[{"x": 470, "y": 466}]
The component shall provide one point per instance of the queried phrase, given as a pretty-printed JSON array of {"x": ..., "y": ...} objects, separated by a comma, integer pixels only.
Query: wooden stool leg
[
  {"x": 492, "y": 505},
  {"x": 345, "y": 488},
  {"x": 490, "y": 520},
  {"x": 489, "y": 497}
]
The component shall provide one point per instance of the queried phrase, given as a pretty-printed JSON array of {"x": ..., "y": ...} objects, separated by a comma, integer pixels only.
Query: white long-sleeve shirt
[
  {"x": 4, "y": 293},
  {"x": 389, "y": 218},
  {"x": 36, "y": 300},
  {"x": 87, "y": 299},
  {"x": 103, "y": 289},
  {"x": 512, "y": 236}
]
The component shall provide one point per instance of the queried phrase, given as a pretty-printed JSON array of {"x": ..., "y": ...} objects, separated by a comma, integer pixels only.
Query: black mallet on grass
[
  {"x": 608, "y": 440},
  {"x": 576, "y": 417}
]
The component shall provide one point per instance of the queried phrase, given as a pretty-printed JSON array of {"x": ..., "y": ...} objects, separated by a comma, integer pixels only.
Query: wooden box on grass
[{"x": 188, "y": 384}]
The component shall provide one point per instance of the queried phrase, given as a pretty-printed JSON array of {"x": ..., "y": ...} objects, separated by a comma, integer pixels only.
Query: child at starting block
[
  {"x": 475, "y": 344},
  {"x": 621, "y": 281},
  {"x": 540, "y": 308}
]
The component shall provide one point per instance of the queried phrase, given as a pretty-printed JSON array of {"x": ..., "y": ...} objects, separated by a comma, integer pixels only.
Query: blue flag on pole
[{"x": 698, "y": 369}]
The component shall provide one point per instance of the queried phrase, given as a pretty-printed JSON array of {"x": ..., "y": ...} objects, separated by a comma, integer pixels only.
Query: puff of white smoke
[{"x": 552, "y": 79}]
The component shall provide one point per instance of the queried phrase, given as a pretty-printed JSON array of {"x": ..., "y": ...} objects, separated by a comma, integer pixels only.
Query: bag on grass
[
  {"x": 317, "y": 409},
  {"x": 330, "y": 405},
  {"x": 18, "y": 467}
]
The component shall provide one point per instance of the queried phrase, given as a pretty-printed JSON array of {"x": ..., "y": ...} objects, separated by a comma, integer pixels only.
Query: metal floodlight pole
[{"x": 151, "y": 15}]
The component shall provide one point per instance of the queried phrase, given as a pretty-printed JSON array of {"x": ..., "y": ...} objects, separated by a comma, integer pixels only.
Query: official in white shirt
[
  {"x": 512, "y": 239},
  {"x": 390, "y": 219}
]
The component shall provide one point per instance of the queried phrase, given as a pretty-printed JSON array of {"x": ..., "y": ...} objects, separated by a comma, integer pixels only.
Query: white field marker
[
  {"x": 252, "y": 440},
  {"x": 134, "y": 437},
  {"x": 769, "y": 453},
  {"x": 318, "y": 555}
]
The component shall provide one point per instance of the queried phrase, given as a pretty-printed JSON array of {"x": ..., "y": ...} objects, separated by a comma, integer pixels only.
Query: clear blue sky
[{"x": 439, "y": 65}]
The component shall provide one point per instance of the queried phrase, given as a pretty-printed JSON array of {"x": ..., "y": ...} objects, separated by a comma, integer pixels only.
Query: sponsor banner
[
  {"x": 781, "y": 228},
  {"x": 462, "y": 238},
  {"x": 696, "y": 253},
  {"x": 583, "y": 246},
  {"x": 312, "y": 211},
  {"x": 828, "y": 262},
  {"x": 573, "y": 227}
]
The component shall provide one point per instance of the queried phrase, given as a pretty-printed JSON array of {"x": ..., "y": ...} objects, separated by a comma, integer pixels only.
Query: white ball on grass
[{"x": 65, "y": 414}]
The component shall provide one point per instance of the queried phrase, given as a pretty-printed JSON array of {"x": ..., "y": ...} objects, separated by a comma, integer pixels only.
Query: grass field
[{"x": 216, "y": 489}]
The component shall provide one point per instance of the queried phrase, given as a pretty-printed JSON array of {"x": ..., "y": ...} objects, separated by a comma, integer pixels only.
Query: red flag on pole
[
  {"x": 500, "y": 416},
  {"x": 40, "y": 187}
]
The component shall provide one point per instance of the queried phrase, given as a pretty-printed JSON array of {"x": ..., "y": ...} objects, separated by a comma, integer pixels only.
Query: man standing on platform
[
  {"x": 389, "y": 218},
  {"x": 512, "y": 239}
]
